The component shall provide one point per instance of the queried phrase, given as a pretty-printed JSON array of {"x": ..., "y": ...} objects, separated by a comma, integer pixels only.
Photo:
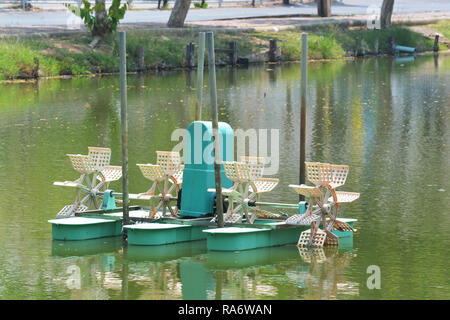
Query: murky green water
[{"x": 389, "y": 121}]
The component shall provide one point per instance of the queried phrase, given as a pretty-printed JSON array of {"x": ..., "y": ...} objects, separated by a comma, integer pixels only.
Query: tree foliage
[{"x": 98, "y": 21}]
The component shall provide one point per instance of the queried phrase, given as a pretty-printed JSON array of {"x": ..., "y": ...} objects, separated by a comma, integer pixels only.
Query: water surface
[{"x": 389, "y": 121}]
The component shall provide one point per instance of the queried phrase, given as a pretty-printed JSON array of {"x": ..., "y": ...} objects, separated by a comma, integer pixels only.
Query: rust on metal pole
[
  {"x": 303, "y": 110},
  {"x": 215, "y": 126},
  {"x": 124, "y": 121}
]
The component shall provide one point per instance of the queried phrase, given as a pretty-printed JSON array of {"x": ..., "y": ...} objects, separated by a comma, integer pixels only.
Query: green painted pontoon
[
  {"x": 82, "y": 228},
  {"x": 158, "y": 233},
  {"x": 258, "y": 235},
  {"x": 93, "y": 224}
]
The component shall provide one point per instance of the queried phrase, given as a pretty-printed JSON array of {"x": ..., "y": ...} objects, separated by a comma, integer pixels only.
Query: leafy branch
[{"x": 96, "y": 19}]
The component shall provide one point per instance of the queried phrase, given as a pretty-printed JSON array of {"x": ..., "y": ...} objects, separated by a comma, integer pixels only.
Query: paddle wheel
[
  {"x": 324, "y": 202},
  {"x": 248, "y": 185},
  {"x": 96, "y": 175},
  {"x": 167, "y": 176}
]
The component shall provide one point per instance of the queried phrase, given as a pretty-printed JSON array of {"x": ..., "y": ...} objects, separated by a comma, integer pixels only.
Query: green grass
[
  {"x": 168, "y": 50},
  {"x": 443, "y": 27},
  {"x": 331, "y": 42},
  {"x": 18, "y": 60},
  {"x": 321, "y": 45},
  {"x": 71, "y": 55},
  {"x": 402, "y": 36}
]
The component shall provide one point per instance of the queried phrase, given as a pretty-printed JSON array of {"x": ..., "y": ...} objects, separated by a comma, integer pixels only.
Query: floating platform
[
  {"x": 83, "y": 228},
  {"x": 93, "y": 224},
  {"x": 259, "y": 235},
  {"x": 151, "y": 234},
  {"x": 100, "y": 224},
  {"x": 164, "y": 231}
]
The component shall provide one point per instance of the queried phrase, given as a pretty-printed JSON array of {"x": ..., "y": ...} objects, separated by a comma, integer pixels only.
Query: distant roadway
[{"x": 18, "y": 18}]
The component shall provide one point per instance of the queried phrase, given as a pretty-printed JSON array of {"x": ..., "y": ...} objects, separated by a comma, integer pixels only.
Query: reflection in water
[
  {"x": 85, "y": 247},
  {"x": 138, "y": 273},
  {"x": 166, "y": 252},
  {"x": 323, "y": 277},
  {"x": 197, "y": 282},
  {"x": 388, "y": 121},
  {"x": 404, "y": 59}
]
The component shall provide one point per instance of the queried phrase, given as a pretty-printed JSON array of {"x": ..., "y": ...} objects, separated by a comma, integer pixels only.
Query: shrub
[
  {"x": 99, "y": 27},
  {"x": 203, "y": 5}
]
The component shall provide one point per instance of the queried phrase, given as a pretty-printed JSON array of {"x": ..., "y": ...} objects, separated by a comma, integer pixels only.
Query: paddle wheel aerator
[
  {"x": 324, "y": 202},
  {"x": 96, "y": 175},
  {"x": 167, "y": 177}
]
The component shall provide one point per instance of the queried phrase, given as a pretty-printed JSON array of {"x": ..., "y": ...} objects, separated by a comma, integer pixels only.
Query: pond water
[{"x": 388, "y": 120}]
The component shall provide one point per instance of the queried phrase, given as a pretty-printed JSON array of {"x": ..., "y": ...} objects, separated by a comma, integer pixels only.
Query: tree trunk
[
  {"x": 286, "y": 2},
  {"x": 324, "y": 8},
  {"x": 386, "y": 13},
  {"x": 179, "y": 13},
  {"x": 100, "y": 26}
]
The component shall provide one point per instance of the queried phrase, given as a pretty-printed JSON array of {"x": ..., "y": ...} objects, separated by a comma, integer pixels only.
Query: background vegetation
[{"x": 166, "y": 49}]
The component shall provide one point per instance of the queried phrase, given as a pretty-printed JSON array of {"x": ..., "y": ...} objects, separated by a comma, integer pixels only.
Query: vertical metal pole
[
  {"x": 190, "y": 53},
  {"x": 233, "y": 56},
  {"x": 200, "y": 65},
  {"x": 141, "y": 58},
  {"x": 303, "y": 110},
  {"x": 436, "y": 43},
  {"x": 124, "y": 120},
  {"x": 273, "y": 43},
  {"x": 363, "y": 48},
  {"x": 215, "y": 125},
  {"x": 391, "y": 46}
]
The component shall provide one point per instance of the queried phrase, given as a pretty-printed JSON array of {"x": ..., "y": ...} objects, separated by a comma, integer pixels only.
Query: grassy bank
[
  {"x": 443, "y": 27},
  {"x": 71, "y": 55}
]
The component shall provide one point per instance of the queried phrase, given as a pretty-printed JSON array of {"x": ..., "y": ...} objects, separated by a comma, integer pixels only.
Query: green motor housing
[{"x": 198, "y": 173}]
